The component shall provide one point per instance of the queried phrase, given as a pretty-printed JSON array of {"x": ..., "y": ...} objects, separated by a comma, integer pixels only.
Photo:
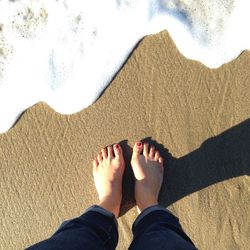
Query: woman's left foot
[{"x": 108, "y": 169}]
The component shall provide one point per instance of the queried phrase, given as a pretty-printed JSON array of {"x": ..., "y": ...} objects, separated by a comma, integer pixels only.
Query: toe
[
  {"x": 160, "y": 160},
  {"x": 104, "y": 153},
  {"x": 145, "y": 149},
  {"x": 110, "y": 152},
  {"x": 152, "y": 152},
  {"x": 117, "y": 150},
  {"x": 157, "y": 155},
  {"x": 137, "y": 148},
  {"x": 99, "y": 157}
]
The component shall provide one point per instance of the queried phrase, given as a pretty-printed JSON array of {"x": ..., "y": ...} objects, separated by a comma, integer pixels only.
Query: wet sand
[{"x": 197, "y": 117}]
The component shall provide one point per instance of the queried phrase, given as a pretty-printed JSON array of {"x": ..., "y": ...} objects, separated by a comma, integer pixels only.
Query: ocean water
[{"x": 65, "y": 52}]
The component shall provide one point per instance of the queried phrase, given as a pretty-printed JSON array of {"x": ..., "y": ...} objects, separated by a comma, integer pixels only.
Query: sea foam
[{"x": 66, "y": 52}]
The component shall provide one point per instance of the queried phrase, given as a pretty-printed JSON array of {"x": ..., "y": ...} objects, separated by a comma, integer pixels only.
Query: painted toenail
[
  {"x": 138, "y": 144},
  {"x": 116, "y": 146}
]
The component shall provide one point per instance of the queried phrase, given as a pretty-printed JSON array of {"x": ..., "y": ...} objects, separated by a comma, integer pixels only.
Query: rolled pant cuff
[
  {"x": 150, "y": 210},
  {"x": 157, "y": 215},
  {"x": 104, "y": 222},
  {"x": 103, "y": 211}
]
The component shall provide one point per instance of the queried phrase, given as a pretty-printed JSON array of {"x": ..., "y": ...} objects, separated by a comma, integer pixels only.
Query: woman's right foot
[
  {"x": 108, "y": 169},
  {"x": 147, "y": 165}
]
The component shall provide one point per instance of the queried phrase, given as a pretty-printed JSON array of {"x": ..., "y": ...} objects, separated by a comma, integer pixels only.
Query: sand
[{"x": 197, "y": 117}]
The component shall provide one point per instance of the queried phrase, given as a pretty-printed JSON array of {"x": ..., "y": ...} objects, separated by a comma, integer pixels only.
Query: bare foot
[
  {"x": 108, "y": 170},
  {"x": 148, "y": 172}
]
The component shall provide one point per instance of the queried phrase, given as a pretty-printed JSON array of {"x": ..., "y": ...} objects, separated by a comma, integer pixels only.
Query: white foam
[{"x": 66, "y": 52}]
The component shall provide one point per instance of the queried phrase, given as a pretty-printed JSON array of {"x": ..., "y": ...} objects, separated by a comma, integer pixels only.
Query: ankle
[
  {"x": 113, "y": 207},
  {"x": 142, "y": 205}
]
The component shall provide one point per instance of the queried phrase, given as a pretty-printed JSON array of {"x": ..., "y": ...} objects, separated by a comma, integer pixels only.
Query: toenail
[
  {"x": 116, "y": 146},
  {"x": 138, "y": 144}
]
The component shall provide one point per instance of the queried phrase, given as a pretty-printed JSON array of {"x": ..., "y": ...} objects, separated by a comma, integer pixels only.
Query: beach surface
[{"x": 197, "y": 117}]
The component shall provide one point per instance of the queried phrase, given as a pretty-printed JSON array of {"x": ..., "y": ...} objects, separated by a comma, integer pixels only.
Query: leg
[
  {"x": 155, "y": 227},
  {"x": 97, "y": 227}
]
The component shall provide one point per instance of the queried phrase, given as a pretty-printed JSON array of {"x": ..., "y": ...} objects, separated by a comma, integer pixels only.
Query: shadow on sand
[{"x": 219, "y": 158}]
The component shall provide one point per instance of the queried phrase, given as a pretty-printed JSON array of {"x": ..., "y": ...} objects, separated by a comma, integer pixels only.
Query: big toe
[
  {"x": 118, "y": 151},
  {"x": 137, "y": 149}
]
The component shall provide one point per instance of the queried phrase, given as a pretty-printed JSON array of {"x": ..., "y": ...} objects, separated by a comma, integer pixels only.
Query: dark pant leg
[
  {"x": 95, "y": 229},
  {"x": 156, "y": 228}
]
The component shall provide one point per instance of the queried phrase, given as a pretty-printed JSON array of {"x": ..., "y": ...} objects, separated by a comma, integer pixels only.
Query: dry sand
[{"x": 199, "y": 118}]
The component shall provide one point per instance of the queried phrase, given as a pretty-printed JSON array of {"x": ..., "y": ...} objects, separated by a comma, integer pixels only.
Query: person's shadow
[{"x": 219, "y": 158}]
